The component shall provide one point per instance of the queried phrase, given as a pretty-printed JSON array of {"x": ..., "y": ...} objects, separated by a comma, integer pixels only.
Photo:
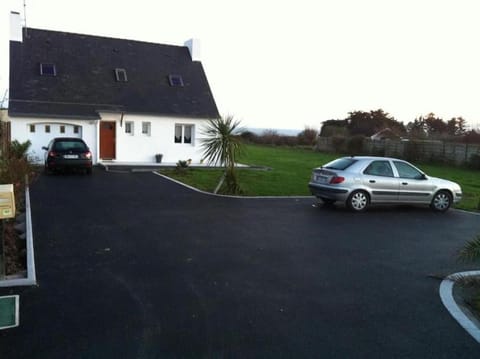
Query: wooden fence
[{"x": 437, "y": 151}]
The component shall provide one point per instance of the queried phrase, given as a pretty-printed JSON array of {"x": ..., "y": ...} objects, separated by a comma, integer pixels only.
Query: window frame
[
  {"x": 419, "y": 174},
  {"x": 43, "y": 69},
  {"x": 130, "y": 125},
  {"x": 379, "y": 174},
  {"x": 48, "y": 129},
  {"x": 148, "y": 131},
  {"x": 175, "y": 80},
  {"x": 121, "y": 75},
  {"x": 32, "y": 128},
  {"x": 182, "y": 139}
]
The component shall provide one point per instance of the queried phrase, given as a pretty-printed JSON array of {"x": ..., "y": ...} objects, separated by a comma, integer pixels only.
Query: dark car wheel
[
  {"x": 441, "y": 201},
  {"x": 358, "y": 201}
]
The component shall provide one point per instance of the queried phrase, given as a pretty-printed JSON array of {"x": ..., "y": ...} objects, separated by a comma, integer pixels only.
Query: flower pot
[{"x": 158, "y": 158}]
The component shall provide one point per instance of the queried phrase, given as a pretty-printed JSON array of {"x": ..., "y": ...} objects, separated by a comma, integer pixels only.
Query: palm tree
[{"x": 222, "y": 146}]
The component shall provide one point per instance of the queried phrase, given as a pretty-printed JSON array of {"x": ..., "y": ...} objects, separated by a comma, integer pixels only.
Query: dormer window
[
  {"x": 121, "y": 75},
  {"x": 48, "y": 70},
  {"x": 175, "y": 80}
]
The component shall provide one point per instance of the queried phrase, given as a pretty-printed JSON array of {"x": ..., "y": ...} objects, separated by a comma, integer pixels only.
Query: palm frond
[
  {"x": 221, "y": 144},
  {"x": 471, "y": 251}
]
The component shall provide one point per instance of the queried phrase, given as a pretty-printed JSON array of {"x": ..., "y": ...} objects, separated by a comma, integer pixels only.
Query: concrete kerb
[
  {"x": 31, "y": 278},
  {"x": 459, "y": 312}
]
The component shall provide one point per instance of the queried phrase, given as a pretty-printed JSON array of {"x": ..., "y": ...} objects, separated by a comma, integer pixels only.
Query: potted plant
[{"x": 158, "y": 157}]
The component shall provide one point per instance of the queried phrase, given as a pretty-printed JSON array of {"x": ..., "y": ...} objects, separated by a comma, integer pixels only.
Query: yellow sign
[{"x": 7, "y": 201}]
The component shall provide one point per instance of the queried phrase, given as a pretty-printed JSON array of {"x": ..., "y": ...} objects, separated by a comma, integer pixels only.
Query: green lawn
[{"x": 290, "y": 170}]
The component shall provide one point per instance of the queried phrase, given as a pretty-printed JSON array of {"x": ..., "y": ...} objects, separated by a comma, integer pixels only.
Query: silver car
[{"x": 359, "y": 181}]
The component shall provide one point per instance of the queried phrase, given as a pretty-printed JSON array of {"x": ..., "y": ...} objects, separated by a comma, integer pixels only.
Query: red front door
[{"x": 107, "y": 140}]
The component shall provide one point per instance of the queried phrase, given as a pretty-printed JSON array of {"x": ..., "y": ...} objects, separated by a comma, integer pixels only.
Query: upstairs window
[
  {"x": 175, "y": 80},
  {"x": 48, "y": 70},
  {"x": 121, "y": 75}
]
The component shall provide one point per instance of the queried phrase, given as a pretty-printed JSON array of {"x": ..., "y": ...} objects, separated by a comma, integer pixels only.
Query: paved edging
[
  {"x": 31, "y": 273},
  {"x": 470, "y": 324}
]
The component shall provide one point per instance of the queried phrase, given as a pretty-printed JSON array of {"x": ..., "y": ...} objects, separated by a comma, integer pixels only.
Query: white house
[{"x": 129, "y": 100}]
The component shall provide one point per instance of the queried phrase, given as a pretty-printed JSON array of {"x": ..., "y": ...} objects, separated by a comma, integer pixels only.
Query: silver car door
[
  {"x": 414, "y": 185},
  {"x": 379, "y": 178}
]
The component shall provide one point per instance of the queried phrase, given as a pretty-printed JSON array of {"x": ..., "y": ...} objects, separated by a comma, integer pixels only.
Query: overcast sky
[{"x": 291, "y": 64}]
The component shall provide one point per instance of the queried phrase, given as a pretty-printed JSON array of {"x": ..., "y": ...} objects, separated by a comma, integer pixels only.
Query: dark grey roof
[{"x": 85, "y": 81}]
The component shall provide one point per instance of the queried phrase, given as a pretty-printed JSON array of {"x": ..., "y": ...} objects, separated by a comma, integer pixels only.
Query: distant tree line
[
  {"x": 307, "y": 137},
  {"x": 362, "y": 123}
]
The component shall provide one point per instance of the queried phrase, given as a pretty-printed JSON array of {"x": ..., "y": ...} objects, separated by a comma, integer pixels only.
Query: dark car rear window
[
  {"x": 340, "y": 164},
  {"x": 69, "y": 146}
]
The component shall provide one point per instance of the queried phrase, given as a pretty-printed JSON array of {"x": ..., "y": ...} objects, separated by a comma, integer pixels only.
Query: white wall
[
  {"x": 20, "y": 130},
  {"x": 129, "y": 148},
  {"x": 142, "y": 148}
]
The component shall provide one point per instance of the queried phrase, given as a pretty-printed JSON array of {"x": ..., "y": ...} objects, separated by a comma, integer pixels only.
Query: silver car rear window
[{"x": 340, "y": 164}]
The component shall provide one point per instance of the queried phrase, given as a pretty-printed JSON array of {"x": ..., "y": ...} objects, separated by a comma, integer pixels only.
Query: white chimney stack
[
  {"x": 16, "y": 33},
  {"x": 194, "y": 48}
]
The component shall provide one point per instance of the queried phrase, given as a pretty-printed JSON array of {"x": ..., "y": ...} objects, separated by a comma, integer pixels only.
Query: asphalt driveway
[{"x": 136, "y": 266}]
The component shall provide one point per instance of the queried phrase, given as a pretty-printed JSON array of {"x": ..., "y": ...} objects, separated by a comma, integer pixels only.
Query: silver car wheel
[
  {"x": 441, "y": 201},
  {"x": 358, "y": 201}
]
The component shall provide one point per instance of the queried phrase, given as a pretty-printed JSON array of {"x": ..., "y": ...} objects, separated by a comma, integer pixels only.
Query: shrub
[
  {"x": 182, "y": 165},
  {"x": 15, "y": 167},
  {"x": 18, "y": 150},
  {"x": 249, "y": 137},
  {"x": 307, "y": 137}
]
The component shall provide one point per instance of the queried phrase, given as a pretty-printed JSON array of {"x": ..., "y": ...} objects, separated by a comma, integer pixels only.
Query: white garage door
[{"x": 40, "y": 135}]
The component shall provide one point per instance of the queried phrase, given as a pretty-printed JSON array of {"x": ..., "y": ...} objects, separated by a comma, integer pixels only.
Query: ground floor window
[
  {"x": 183, "y": 133},
  {"x": 129, "y": 128},
  {"x": 47, "y": 128},
  {"x": 76, "y": 129},
  {"x": 62, "y": 129},
  {"x": 32, "y": 128}
]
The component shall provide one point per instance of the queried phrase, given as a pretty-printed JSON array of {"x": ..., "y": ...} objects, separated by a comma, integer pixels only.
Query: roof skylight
[
  {"x": 121, "y": 75},
  {"x": 175, "y": 80},
  {"x": 48, "y": 70}
]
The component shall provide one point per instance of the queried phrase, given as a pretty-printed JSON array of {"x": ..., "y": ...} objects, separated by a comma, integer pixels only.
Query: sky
[{"x": 293, "y": 64}]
